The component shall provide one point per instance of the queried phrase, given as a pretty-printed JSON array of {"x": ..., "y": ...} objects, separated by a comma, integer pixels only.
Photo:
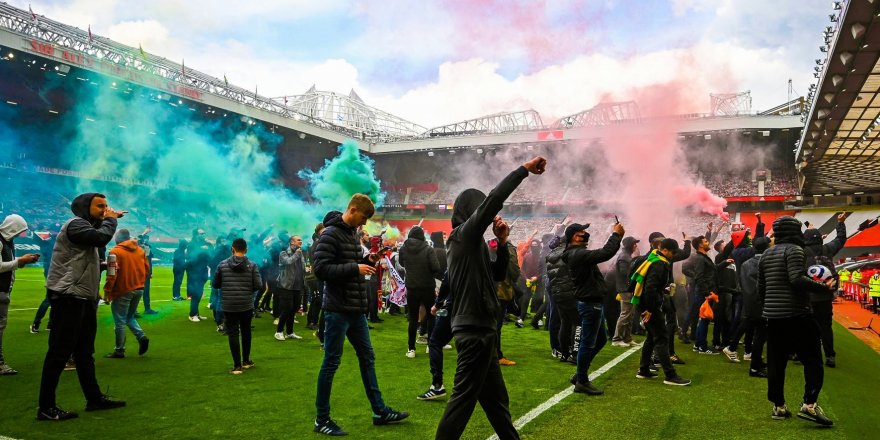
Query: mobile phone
[{"x": 616, "y": 220}]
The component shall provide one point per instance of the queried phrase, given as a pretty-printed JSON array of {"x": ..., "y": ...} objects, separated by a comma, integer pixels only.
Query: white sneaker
[
  {"x": 747, "y": 357},
  {"x": 730, "y": 355},
  {"x": 540, "y": 323},
  {"x": 194, "y": 319},
  {"x": 275, "y": 321},
  {"x": 620, "y": 344},
  {"x": 411, "y": 354},
  {"x": 293, "y": 336},
  {"x": 279, "y": 336},
  {"x": 447, "y": 347},
  {"x": 427, "y": 350},
  {"x": 634, "y": 344}
]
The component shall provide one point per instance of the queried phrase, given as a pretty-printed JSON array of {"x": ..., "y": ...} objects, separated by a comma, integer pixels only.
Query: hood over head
[
  {"x": 417, "y": 233},
  {"x": 129, "y": 245},
  {"x": 81, "y": 207},
  {"x": 812, "y": 237},
  {"x": 739, "y": 238},
  {"x": 12, "y": 225},
  {"x": 465, "y": 205},
  {"x": 437, "y": 239},
  {"x": 787, "y": 229},
  {"x": 761, "y": 244}
]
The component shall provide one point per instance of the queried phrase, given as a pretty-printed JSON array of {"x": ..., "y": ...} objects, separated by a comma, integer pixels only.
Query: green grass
[{"x": 182, "y": 388}]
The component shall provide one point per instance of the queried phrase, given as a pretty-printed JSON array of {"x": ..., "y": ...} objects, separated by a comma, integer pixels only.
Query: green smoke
[{"x": 345, "y": 175}]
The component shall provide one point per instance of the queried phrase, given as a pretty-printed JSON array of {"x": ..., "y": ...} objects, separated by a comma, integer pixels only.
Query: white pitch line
[
  {"x": 35, "y": 308},
  {"x": 540, "y": 409}
]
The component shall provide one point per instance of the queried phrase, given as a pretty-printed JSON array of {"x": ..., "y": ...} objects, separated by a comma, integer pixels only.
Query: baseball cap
[
  {"x": 627, "y": 242},
  {"x": 574, "y": 228}
]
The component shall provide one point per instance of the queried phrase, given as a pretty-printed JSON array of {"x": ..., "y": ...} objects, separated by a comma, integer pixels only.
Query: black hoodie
[
  {"x": 439, "y": 249},
  {"x": 337, "y": 254},
  {"x": 472, "y": 276},
  {"x": 818, "y": 253},
  {"x": 420, "y": 263}
]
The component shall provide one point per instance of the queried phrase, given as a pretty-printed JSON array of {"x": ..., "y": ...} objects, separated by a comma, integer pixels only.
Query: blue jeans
[
  {"x": 195, "y": 290},
  {"x": 337, "y": 327},
  {"x": 702, "y": 333},
  {"x": 123, "y": 309},
  {"x": 593, "y": 336}
]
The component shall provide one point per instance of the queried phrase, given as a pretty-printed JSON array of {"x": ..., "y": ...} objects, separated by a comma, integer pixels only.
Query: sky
[{"x": 437, "y": 62}]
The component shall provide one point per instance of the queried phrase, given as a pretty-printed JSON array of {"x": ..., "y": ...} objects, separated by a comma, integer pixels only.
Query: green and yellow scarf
[{"x": 641, "y": 272}]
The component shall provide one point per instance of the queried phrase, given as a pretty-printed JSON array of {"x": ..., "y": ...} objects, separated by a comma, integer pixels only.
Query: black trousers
[
  {"x": 315, "y": 304},
  {"x": 239, "y": 322},
  {"x": 758, "y": 339},
  {"x": 287, "y": 303},
  {"x": 477, "y": 379},
  {"x": 373, "y": 298},
  {"x": 74, "y": 326},
  {"x": 569, "y": 319},
  {"x": 823, "y": 312},
  {"x": 612, "y": 311},
  {"x": 414, "y": 299},
  {"x": 721, "y": 330},
  {"x": 657, "y": 342},
  {"x": 799, "y": 334},
  {"x": 178, "y": 281},
  {"x": 670, "y": 315},
  {"x": 441, "y": 336}
]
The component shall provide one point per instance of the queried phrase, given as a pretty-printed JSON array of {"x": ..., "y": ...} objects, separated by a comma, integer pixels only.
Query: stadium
[{"x": 184, "y": 151}]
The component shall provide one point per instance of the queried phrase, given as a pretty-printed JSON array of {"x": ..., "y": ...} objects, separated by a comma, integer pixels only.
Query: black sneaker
[
  {"x": 677, "y": 380},
  {"x": 758, "y": 373},
  {"x": 248, "y": 364},
  {"x": 780, "y": 413},
  {"x": 642, "y": 374},
  {"x": 432, "y": 393},
  {"x": 55, "y": 414},
  {"x": 814, "y": 414},
  {"x": 35, "y": 328},
  {"x": 587, "y": 388},
  {"x": 115, "y": 355},
  {"x": 676, "y": 360},
  {"x": 573, "y": 379},
  {"x": 143, "y": 346},
  {"x": 104, "y": 402},
  {"x": 389, "y": 416},
  {"x": 328, "y": 427},
  {"x": 830, "y": 362}
]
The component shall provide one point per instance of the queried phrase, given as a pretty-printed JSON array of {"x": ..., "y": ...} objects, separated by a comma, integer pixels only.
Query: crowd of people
[{"x": 462, "y": 287}]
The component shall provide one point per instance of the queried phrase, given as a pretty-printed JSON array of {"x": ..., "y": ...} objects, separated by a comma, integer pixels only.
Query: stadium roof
[{"x": 838, "y": 150}]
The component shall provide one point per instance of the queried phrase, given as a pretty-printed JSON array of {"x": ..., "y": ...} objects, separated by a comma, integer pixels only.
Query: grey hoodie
[
  {"x": 75, "y": 269},
  {"x": 12, "y": 225}
]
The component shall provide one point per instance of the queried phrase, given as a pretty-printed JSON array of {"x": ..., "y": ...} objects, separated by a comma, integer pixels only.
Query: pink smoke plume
[{"x": 700, "y": 197}]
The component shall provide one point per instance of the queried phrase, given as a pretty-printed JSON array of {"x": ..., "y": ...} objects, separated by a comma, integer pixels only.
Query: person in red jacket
[{"x": 124, "y": 289}]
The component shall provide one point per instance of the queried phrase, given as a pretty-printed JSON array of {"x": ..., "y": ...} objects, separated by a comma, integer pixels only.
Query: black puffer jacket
[
  {"x": 337, "y": 255},
  {"x": 562, "y": 287},
  {"x": 783, "y": 284},
  {"x": 420, "y": 262},
  {"x": 584, "y": 266},
  {"x": 238, "y": 279}
]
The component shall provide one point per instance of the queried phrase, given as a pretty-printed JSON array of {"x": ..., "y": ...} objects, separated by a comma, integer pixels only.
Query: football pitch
[{"x": 182, "y": 388}]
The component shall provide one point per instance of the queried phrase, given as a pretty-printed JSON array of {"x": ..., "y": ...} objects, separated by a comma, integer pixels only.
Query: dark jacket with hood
[
  {"x": 337, "y": 255},
  {"x": 76, "y": 267},
  {"x": 420, "y": 262},
  {"x": 472, "y": 276},
  {"x": 439, "y": 249},
  {"x": 621, "y": 269},
  {"x": 818, "y": 253},
  {"x": 238, "y": 279},
  {"x": 178, "y": 261},
  {"x": 657, "y": 279},
  {"x": 783, "y": 284},
  {"x": 743, "y": 249},
  {"x": 748, "y": 281},
  {"x": 704, "y": 273},
  {"x": 562, "y": 287},
  {"x": 583, "y": 264}
]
